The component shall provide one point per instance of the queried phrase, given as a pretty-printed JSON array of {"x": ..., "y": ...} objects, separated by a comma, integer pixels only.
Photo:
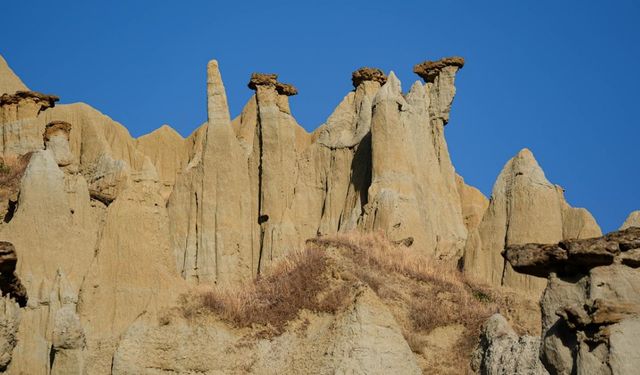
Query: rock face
[
  {"x": 633, "y": 220},
  {"x": 210, "y": 207},
  {"x": 363, "y": 339},
  {"x": 108, "y": 230},
  {"x": 502, "y": 352},
  {"x": 525, "y": 207},
  {"x": 413, "y": 195},
  {"x": 591, "y": 305},
  {"x": 168, "y": 152}
]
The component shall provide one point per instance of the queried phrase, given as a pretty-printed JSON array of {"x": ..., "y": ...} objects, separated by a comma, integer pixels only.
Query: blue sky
[{"x": 558, "y": 77}]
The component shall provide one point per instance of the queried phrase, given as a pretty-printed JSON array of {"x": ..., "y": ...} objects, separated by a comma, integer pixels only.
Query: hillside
[{"x": 253, "y": 246}]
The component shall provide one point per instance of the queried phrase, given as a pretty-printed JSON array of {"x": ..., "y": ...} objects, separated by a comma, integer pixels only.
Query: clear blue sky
[{"x": 559, "y": 77}]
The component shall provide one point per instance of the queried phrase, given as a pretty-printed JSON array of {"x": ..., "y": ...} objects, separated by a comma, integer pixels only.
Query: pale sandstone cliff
[
  {"x": 525, "y": 207},
  {"x": 633, "y": 220},
  {"x": 109, "y": 230}
]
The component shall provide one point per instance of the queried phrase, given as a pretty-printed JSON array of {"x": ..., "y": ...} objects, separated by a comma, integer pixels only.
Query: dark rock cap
[
  {"x": 262, "y": 79},
  {"x": 368, "y": 74},
  {"x": 429, "y": 70},
  {"x": 575, "y": 256},
  {"x": 271, "y": 79},
  {"x": 48, "y": 100},
  {"x": 286, "y": 89}
]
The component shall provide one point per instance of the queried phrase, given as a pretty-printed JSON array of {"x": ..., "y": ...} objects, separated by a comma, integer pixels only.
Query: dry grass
[
  {"x": 422, "y": 293},
  {"x": 293, "y": 284},
  {"x": 432, "y": 294}
]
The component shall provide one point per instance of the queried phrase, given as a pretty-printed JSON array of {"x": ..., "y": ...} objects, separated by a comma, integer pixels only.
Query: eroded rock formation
[
  {"x": 502, "y": 352},
  {"x": 633, "y": 220},
  {"x": 591, "y": 304},
  {"x": 525, "y": 207},
  {"x": 108, "y": 228}
]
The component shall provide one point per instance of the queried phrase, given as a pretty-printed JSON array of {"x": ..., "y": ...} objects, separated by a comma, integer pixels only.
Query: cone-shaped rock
[
  {"x": 633, "y": 220},
  {"x": 525, "y": 207},
  {"x": 9, "y": 81}
]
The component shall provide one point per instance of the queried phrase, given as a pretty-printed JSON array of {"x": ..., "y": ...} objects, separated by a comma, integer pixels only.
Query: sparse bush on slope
[
  {"x": 422, "y": 293},
  {"x": 274, "y": 299}
]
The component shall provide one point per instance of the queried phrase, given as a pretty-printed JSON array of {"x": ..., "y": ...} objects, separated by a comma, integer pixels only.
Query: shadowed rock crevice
[{"x": 10, "y": 284}]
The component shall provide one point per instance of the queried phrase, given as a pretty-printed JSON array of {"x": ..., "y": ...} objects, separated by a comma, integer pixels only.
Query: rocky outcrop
[
  {"x": 24, "y": 105},
  {"x": 368, "y": 74},
  {"x": 413, "y": 192},
  {"x": 633, "y": 220},
  {"x": 525, "y": 207},
  {"x": 430, "y": 70},
  {"x": 133, "y": 272},
  {"x": 56, "y": 139},
  {"x": 107, "y": 227},
  {"x": 364, "y": 338},
  {"x": 569, "y": 257},
  {"x": 591, "y": 305},
  {"x": 9, "y": 322},
  {"x": 168, "y": 152},
  {"x": 502, "y": 352}
]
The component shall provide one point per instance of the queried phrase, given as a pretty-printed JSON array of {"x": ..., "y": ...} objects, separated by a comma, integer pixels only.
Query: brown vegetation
[
  {"x": 421, "y": 293},
  {"x": 272, "y": 300},
  {"x": 424, "y": 294}
]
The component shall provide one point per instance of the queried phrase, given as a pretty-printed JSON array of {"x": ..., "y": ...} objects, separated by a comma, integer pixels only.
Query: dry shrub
[
  {"x": 441, "y": 296},
  {"x": 272, "y": 300}
]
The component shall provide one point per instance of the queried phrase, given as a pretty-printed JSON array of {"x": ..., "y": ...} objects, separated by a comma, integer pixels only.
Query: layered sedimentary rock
[
  {"x": 131, "y": 274},
  {"x": 591, "y": 304},
  {"x": 525, "y": 207},
  {"x": 365, "y": 338},
  {"x": 106, "y": 227},
  {"x": 302, "y": 185},
  {"x": 168, "y": 152},
  {"x": 413, "y": 195},
  {"x": 211, "y": 202},
  {"x": 502, "y": 352}
]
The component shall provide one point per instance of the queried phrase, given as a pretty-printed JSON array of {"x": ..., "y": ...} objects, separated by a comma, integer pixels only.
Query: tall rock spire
[
  {"x": 217, "y": 107},
  {"x": 210, "y": 206}
]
